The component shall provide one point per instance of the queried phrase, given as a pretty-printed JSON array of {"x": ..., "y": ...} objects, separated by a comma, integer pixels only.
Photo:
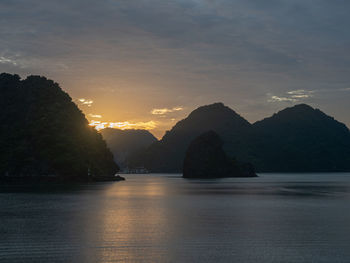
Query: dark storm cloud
[{"x": 207, "y": 49}]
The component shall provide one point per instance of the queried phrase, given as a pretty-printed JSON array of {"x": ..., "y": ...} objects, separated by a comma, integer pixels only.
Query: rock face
[
  {"x": 125, "y": 143},
  {"x": 43, "y": 134},
  {"x": 205, "y": 158}
]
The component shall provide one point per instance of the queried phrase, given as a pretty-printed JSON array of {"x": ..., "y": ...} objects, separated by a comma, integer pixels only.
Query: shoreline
[{"x": 52, "y": 179}]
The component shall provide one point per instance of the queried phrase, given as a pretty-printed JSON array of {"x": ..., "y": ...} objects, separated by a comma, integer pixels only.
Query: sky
[{"x": 148, "y": 63}]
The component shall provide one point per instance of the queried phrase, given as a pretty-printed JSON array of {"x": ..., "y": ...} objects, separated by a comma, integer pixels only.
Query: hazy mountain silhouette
[
  {"x": 297, "y": 139},
  {"x": 124, "y": 143},
  {"x": 44, "y": 134}
]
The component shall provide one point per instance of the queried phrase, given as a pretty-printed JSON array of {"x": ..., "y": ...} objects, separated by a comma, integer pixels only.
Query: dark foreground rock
[
  {"x": 205, "y": 158},
  {"x": 44, "y": 136}
]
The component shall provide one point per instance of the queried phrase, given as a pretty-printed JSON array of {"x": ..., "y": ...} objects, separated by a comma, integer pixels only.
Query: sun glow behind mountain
[
  {"x": 157, "y": 119},
  {"x": 125, "y": 125}
]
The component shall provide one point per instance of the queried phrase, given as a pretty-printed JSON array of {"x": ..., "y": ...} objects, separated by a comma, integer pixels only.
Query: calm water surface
[{"x": 164, "y": 218}]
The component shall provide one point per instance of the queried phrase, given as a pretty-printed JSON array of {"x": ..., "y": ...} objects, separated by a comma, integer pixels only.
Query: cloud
[
  {"x": 95, "y": 116},
  {"x": 292, "y": 96},
  {"x": 297, "y": 92},
  {"x": 166, "y": 110},
  {"x": 4, "y": 60},
  {"x": 300, "y": 94},
  {"x": 280, "y": 99},
  {"x": 85, "y": 102},
  {"x": 126, "y": 125}
]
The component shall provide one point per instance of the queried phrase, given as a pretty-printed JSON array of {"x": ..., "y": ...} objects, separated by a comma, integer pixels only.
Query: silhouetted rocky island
[
  {"x": 205, "y": 158},
  {"x": 45, "y": 137},
  {"x": 167, "y": 155},
  {"x": 296, "y": 139}
]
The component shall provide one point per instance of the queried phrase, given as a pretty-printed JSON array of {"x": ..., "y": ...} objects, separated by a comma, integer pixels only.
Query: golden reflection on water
[
  {"x": 127, "y": 210},
  {"x": 150, "y": 218},
  {"x": 148, "y": 189}
]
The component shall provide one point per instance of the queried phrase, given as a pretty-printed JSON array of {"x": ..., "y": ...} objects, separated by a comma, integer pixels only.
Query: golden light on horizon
[
  {"x": 125, "y": 125},
  {"x": 95, "y": 116},
  {"x": 166, "y": 110}
]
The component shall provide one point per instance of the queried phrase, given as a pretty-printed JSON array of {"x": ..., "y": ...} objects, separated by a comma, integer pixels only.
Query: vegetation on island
[{"x": 44, "y": 134}]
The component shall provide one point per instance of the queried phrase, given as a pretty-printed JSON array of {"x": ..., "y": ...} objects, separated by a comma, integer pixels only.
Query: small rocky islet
[{"x": 205, "y": 158}]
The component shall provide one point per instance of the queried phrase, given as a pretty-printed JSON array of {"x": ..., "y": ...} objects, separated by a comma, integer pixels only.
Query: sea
[{"x": 165, "y": 218}]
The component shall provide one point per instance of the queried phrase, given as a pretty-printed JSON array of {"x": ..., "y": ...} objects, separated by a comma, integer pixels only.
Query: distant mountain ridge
[
  {"x": 125, "y": 143},
  {"x": 296, "y": 139}
]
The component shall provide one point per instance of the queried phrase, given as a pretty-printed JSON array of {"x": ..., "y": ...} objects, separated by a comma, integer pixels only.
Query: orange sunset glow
[
  {"x": 104, "y": 113},
  {"x": 99, "y": 125}
]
